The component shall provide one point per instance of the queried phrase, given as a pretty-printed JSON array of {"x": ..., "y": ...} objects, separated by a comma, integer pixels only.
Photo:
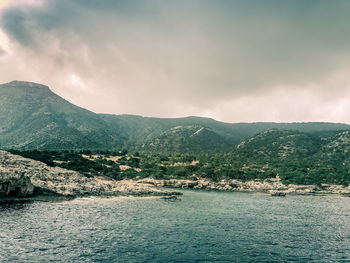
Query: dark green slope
[
  {"x": 144, "y": 130},
  {"x": 186, "y": 139},
  {"x": 290, "y": 144},
  {"x": 33, "y": 117},
  {"x": 146, "y": 133},
  {"x": 298, "y": 157},
  {"x": 280, "y": 145}
]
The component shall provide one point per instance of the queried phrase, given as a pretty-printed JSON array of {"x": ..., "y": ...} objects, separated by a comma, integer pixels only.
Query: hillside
[
  {"x": 33, "y": 117},
  {"x": 144, "y": 131},
  {"x": 186, "y": 139},
  {"x": 279, "y": 145},
  {"x": 294, "y": 157},
  {"x": 298, "y": 157}
]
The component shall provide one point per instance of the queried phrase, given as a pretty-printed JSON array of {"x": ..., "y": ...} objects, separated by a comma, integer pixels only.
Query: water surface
[{"x": 202, "y": 227}]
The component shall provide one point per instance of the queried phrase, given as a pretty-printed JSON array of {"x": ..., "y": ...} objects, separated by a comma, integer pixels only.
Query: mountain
[
  {"x": 33, "y": 117},
  {"x": 144, "y": 131}
]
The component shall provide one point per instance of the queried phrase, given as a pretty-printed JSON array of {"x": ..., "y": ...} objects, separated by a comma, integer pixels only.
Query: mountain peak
[{"x": 24, "y": 84}]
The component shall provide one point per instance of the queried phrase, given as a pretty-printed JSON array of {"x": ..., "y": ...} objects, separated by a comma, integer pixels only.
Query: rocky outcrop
[
  {"x": 20, "y": 175},
  {"x": 272, "y": 185},
  {"x": 277, "y": 193},
  {"x": 15, "y": 184},
  {"x": 223, "y": 185}
]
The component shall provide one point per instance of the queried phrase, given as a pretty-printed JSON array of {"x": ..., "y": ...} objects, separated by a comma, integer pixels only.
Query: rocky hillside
[{"x": 33, "y": 117}]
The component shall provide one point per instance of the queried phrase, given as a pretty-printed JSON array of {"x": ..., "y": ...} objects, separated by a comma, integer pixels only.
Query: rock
[
  {"x": 15, "y": 185},
  {"x": 171, "y": 197},
  {"x": 55, "y": 180},
  {"x": 172, "y": 183},
  {"x": 266, "y": 186},
  {"x": 202, "y": 184},
  {"x": 302, "y": 189},
  {"x": 277, "y": 193}
]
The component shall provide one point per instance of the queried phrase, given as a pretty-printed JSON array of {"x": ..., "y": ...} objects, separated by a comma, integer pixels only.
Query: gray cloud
[{"x": 232, "y": 60}]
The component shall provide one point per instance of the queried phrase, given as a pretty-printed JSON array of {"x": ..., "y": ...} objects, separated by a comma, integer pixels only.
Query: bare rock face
[
  {"x": 20, "y": 175},
  {"x": 15, "y": 184}
]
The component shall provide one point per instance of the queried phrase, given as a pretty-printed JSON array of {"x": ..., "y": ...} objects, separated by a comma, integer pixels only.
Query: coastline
[
  {"x": 273, "y": 186},
  {"x": 153, "y": 188},
  {"x": 25, "y": 180}
]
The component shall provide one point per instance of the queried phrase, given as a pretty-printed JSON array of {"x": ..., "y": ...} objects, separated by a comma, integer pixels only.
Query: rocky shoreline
[
  {"x": 25, "y": 178},
  {"x": 273, "y": 186}
]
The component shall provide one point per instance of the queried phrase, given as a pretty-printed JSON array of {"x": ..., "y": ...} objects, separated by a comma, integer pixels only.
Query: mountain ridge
[
  {"x": 20, "y": 83},
  {"x": 32, "y": 116}
]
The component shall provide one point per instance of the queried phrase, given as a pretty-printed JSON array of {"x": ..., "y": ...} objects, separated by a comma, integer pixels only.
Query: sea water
[{"x": 201, "y": 227}]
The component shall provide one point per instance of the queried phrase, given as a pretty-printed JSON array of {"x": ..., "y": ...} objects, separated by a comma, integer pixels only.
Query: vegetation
[
  {"x": 33, "y": 117},
  {"x": 296, "y": 157},
  {"x": 38, "y": 124}
]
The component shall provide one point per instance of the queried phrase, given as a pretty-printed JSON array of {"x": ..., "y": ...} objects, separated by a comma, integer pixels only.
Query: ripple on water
[{"x": 203, "y": 227}]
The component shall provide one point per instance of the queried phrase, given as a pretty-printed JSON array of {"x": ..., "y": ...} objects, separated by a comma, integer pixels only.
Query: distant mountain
[
  {"x": 174, "y": 134},
  {"x": 145, "y": 131},
  {"x": 33, "y": 117}
]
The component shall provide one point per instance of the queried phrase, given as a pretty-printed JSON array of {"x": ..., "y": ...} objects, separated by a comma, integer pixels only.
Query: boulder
[
  {"x": 277, "y": 193},
  {"x": 170, "y": 197},
  {"x": 15, "y": 185}
]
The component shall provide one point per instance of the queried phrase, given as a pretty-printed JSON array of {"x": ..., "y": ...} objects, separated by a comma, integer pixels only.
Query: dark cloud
[{"x": 171, "y": 58}]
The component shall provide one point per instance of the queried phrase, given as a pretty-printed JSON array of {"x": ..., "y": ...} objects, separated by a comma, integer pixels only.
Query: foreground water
[{"x": 203, "y": 227}]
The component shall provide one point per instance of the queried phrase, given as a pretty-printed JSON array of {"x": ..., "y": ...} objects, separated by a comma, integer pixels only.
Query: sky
[{"x": 231, "y": 60}]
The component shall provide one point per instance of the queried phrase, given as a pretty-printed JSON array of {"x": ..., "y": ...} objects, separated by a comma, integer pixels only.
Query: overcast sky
[{"x": 235, "y": 61}]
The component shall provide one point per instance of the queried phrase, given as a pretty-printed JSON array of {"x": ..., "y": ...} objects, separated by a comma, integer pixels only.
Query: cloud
[{"x": 232, "y": 60}]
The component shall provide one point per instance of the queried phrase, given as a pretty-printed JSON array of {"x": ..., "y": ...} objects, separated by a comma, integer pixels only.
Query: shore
[
  {"x": 25, "y": 178},
  {"x": 273, "y": 186}
]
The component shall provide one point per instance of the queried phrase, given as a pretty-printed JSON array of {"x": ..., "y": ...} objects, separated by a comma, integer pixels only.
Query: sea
[{"x": 202, "y": 226}]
